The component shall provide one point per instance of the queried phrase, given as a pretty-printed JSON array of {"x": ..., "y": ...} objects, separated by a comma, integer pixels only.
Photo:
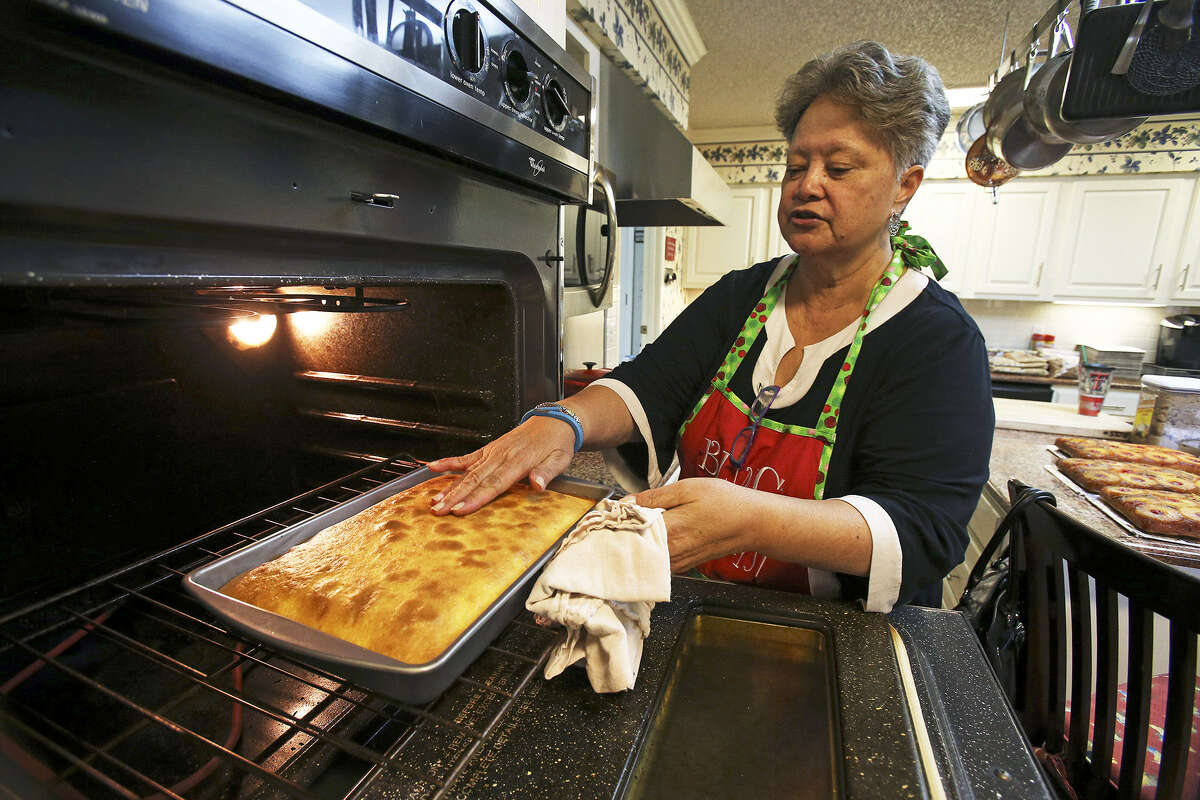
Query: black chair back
[{"x": 1066, "y": 574}]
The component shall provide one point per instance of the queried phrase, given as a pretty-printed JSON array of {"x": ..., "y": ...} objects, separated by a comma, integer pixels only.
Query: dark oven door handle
[{"x": 610, "y": 254}]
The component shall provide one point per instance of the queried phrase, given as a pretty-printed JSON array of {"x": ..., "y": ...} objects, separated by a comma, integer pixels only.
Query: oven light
[
  {"x": 311, "y": 323},
  {"x": 253, "y": 332}
]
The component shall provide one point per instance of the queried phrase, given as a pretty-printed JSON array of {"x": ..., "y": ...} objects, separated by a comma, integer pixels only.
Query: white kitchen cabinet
[
  {"x": 941, "y": 211},
  {"x": 740, "y": 243},
  {"x": 1118, "y": 238},
  {"x": 980, "y": 529},
  {"x": 1010, "y": 241},
  {"x": 776, "y": 245},
  {"x": 1185, "y": 281}
]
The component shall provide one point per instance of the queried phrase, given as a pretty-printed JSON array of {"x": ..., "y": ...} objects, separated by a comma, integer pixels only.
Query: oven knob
[
  {"x": 554, "y": 100},
  {"x": 518, "y": 81},
  {"x": 465, "y": 39}
]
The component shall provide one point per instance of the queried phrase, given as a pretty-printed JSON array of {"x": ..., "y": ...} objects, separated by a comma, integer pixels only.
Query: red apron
[{"x": 783, "y": 459}]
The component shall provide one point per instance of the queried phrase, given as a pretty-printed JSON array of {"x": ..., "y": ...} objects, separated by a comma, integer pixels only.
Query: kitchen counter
[
  {"x": 1117, "y": 383},
  {"x": 1023, "y": 455},
  {"x": 562, "y": 740}
]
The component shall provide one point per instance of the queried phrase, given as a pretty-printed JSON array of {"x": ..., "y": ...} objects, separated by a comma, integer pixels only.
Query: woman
[{"x": 836, "y": 372}]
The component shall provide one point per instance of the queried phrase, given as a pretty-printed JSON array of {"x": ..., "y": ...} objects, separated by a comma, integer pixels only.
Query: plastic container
[
  {"x": 1094, "y": 380},
  {"x": 1168, "y": 411}
]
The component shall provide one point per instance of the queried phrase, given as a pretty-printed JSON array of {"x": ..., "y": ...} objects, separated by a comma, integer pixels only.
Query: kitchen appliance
[
  {"x": 249, "y": 252},
  {"x": 1179, "y": 342},
  {"x": 660, "y": 178}
]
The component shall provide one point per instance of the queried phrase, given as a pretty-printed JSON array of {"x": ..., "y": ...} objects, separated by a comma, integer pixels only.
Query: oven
[{"x": 258, "y": 258}]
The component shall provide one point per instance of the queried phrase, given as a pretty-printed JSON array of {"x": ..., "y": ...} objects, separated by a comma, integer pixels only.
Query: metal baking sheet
[
  {"x": 1185, "y": 546},
  {"x": 409, "y": 683}
]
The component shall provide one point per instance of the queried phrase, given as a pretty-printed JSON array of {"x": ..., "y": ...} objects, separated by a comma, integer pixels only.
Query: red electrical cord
[{"x": 41, "y": 772}]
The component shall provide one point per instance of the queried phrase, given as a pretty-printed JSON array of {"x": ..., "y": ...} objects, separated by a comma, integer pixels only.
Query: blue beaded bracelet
[{"x": 556, "y": 411}]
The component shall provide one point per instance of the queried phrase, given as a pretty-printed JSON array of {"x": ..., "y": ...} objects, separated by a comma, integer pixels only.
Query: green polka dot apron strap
[{"x": 785, "y": 459}]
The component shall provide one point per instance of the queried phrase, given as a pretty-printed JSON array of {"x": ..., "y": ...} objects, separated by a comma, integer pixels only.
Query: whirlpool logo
[{"x": 538, "y": 166}]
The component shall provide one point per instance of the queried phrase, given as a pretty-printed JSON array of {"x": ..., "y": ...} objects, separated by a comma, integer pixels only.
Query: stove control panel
[
  {"x": 477, "y": 81},
  {"x": 474, "y": 47}
]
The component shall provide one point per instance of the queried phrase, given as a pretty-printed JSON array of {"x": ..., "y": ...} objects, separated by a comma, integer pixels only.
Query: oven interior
[
  {"x": 174, "y": 417},
  {"x": 171, "y": 412}
]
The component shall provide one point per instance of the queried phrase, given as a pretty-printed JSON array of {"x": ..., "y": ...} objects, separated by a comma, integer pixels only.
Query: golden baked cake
[
  {"x": 1078, "y": 447},
  {"x": 398, "y": 580},
  {"x": 1094, "y": 475},
  {"x": 1153, "y": 511}
]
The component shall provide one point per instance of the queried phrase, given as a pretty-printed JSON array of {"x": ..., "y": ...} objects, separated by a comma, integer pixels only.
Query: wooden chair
[{"x": 1065, "y": 573}]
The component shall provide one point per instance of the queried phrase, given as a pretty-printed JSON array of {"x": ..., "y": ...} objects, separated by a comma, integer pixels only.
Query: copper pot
[{"x": 986, "y": 168}]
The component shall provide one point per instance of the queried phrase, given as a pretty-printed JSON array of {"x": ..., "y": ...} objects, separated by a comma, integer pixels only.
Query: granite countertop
[
  {"x": 589, "y": 466},
  {"x": 562, "y": 740},
  {"x": 1023, "y": 455}
]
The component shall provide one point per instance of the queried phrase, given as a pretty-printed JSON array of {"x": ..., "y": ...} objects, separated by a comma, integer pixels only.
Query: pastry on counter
[
  {"x": 1106, "y": 450},
  {"x": 398, "y": 580},
  {"x": 1154, "y": 511},
  {"x": 1094, "y": 475}
]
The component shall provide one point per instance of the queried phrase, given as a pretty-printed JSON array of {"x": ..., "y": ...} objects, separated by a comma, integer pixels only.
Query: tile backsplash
[{"x": 1010, "y": 323}]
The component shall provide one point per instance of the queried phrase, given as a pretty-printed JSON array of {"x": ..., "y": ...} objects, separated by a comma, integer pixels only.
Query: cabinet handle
[
  {"x": 1183, "y": 277},
  {"x": 1157, "y": 275},
  {"x": 1037, "y": 282}
]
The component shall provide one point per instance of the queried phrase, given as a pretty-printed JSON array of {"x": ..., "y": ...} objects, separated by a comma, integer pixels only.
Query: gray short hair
[{"x": 901, "y": 97}]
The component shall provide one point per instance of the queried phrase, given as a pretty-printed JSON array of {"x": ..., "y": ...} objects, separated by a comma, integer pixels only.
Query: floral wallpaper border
[
  {"x": 632, "y": 33},
  {"x": 1153, "y": 147}
]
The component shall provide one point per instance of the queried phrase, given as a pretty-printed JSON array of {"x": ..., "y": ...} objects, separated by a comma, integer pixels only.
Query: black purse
[{"x": 991, "y": 602}]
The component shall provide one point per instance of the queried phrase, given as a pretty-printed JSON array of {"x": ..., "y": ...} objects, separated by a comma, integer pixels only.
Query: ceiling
[{"x": 754, "y": 44}]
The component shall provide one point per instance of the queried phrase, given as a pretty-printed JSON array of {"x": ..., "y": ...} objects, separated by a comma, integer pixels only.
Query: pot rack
[{"x": 1029, "y": 48}]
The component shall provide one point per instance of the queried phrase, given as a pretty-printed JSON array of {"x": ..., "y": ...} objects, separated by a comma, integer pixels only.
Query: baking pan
[{"x": 408, "y": 683}]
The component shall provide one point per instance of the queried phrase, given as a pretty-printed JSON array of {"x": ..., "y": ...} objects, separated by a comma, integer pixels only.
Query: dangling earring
[{"x": 894, "y": 223}]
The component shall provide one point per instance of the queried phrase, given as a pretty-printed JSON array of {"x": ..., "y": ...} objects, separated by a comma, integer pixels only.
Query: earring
[{"x": 894, "y": 223}]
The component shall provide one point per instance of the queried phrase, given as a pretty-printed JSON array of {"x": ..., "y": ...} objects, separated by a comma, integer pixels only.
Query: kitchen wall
[
  {"x": 1009, "y": 323},
  {"x": 672, "y": 297},
  {"x": 758, "y": 156}
]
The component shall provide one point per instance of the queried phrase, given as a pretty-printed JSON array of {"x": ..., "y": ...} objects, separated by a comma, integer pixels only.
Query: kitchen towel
[{"x": 601, "y": 585}]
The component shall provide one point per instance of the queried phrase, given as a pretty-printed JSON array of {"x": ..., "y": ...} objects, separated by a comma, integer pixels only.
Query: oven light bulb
[
  {"x": 310, "y": 324},
  {"x": 255, "y": 332}
]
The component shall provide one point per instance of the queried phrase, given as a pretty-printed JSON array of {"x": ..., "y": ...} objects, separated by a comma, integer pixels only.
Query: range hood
[{"x": 660, "y": 178}]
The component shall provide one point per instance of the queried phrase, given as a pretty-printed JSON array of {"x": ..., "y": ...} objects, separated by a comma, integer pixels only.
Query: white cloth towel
[{"x": 602, "y": 584}]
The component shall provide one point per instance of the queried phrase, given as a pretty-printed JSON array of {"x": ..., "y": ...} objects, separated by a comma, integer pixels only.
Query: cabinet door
[
  {"x": 940, "y": 211},
  {"x": 1185, "y": 281},
  {"x": 1119, "y": 237},
  {"x": 1010, "y": 240},
  {"x": 736, "y": 245},
  {"x": 776, "y": 245}
]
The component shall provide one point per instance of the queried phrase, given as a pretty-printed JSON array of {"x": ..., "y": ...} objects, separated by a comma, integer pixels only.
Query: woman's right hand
[{"x": 539, "y": 448}]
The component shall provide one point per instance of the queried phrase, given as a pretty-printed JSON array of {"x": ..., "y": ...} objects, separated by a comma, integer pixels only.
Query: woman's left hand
[{"x": 706, "y": 518}]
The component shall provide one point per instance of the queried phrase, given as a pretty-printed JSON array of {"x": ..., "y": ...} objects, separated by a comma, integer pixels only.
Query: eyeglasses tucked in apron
[{"x": 723, "y": 438}]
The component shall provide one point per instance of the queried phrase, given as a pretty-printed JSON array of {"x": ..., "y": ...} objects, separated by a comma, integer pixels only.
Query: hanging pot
[
  {"x": 970, "y": 126},
  {"x": 987, "y": 169},
  {"x": 1091, "y": 131},
  {"x": 1007, "y": 134}
]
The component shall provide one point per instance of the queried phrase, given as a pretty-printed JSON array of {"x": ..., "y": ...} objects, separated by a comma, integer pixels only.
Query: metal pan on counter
[{"x": 409, "y": 683}]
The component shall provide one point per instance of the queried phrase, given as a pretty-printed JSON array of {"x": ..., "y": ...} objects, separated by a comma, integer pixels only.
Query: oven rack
[{"x": 125, "y": 687}]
